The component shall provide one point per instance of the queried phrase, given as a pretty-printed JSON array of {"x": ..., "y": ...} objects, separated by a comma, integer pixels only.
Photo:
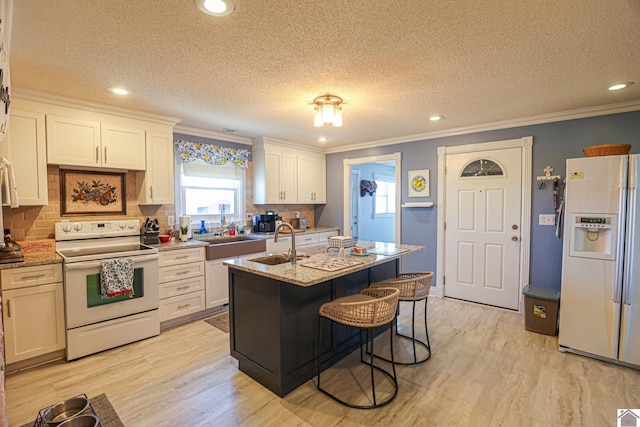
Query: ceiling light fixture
[
  {"x": 436, "y": 118},
  {"x": 620, "y": 86},
  {"x": 216, "y": 7},
  {"x": 119, "y": 91},
  {"x": 328, "y": 109},
  {"x": 323, "y": 139}
]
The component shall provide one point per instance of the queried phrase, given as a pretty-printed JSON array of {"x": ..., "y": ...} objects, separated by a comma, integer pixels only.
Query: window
[
  {"x": 385, "y": 196},
  {"x": 211, "y": 192},
  {"x": 482, "y": 167}
]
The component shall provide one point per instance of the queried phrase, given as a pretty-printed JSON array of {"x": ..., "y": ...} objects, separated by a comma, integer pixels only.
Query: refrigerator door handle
[
  {"x": 629, "y": 256},
  {"x": 621, "y": 242},
  {"x": 621, "y": 238}
]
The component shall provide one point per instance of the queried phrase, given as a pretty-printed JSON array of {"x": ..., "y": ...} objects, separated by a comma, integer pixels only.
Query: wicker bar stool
[
  {"x": 369, "y": 309},
  {"x": 413, "y": 287}
]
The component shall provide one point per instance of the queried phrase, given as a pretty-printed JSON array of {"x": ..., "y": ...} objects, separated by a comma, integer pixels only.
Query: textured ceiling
[{"x": 394, "y": 63}]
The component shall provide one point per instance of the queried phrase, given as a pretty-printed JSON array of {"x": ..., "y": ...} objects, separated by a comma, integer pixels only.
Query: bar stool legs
[
  {"x": 413, "y": 287},
  {"x": 366, "y": 311},
  {"x": 415, "y": 341}
]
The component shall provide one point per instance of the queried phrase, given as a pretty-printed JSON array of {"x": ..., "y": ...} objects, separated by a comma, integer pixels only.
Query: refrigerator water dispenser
[{"x": 593, "y": 236}]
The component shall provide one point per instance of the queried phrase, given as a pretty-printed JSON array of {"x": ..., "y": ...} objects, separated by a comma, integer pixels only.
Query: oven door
[{"x": 84, "y": 304}]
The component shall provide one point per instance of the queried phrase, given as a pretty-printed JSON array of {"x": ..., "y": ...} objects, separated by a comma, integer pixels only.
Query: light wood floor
[{"x": 486, "y": 370}]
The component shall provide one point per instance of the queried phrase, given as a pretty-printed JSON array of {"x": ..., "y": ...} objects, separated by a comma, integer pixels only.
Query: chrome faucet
[{"x": 293, "y": 240}]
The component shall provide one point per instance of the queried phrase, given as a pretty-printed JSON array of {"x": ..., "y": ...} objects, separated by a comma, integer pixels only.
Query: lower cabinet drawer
[
  {"x": 181, "y": 287},
  {"x": 181, "y": 305},
  {"x": 179, "y": 272}
]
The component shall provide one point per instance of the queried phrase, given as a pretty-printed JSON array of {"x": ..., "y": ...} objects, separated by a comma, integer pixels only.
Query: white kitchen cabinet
[
  {"x": 76, "y": 142},
  {"x": 155, "y": 185},
  {"x": 27, "y": 151},
  {"x": 217, "y": 276},
  {"x": 182, "y": 283},
  {"x": 323, "y": 236},
  {"x": 312, "y": 180},
  {"x": 217, "y": 289},
  {"x": 286, "y": 175},
  {"x": 123, "y": 147},
  {"x": 274, "y": 177},
  {"x": 32, "y": 311},
  {"x": 306, "y": 239},
  {"x": 282, "y": 245}
]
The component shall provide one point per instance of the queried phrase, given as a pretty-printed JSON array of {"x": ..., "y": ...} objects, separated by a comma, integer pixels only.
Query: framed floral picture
[
  {"x": 92, "y": 193},
  {"x": 419, "y": 183}
]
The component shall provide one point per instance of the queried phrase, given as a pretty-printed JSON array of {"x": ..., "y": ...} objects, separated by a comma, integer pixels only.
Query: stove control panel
[{"x": 68, "y": 230}]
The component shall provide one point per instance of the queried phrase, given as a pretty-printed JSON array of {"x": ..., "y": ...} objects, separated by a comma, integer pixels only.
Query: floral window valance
[{"x": 212, "y": 154}]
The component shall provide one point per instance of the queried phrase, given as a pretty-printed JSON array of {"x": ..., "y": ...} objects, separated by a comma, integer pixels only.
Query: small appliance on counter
[
  {"x": 299, "y": 223},
  {"x": 265, "y": 223},
  {"x": 150, "y": 232},
  {"x": 10, "y": 251}
]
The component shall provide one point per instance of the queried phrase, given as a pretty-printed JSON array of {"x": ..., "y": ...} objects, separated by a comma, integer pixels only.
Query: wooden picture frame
[{"x": 92, "y": 193}]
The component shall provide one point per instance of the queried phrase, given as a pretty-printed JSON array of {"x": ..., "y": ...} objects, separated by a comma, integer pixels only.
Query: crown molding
[
  {"x": 211, "y": 134},
  {"x": 63, "y": 101},
  {"x": 283, "y": 143},
  {"x": 581, "y": 113}
]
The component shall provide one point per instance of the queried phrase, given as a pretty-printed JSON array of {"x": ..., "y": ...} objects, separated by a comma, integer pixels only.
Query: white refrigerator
[{"x": 600, "y": 294}]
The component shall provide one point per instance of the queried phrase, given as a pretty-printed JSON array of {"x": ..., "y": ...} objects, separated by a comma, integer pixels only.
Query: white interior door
[{"x": 482, "y": 229}]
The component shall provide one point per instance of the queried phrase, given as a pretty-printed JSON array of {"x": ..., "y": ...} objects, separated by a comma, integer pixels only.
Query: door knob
[
  {"x": 514, "y": 227},
  {"x": 515, "y": 238}
]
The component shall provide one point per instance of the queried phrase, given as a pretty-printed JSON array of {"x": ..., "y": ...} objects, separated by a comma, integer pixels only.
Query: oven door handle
[{"x": 93, "y": 264}]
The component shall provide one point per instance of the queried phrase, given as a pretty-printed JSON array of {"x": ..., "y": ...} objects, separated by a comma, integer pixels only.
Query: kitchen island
[{"x": 273, "y": 309}]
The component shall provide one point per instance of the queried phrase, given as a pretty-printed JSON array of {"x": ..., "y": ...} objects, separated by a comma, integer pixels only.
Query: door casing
[
  {"x": 347, "y": 163},
  {"x": 526, "y": 143}
]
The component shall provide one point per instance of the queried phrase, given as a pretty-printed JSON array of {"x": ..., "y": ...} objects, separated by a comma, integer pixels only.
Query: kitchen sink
[
  {"x": 233, "y": 246},
  {"x": 272, "y": 259}
]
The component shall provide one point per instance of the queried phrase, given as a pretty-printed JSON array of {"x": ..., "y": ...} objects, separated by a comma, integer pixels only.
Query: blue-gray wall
[{"x": 553, "y": 143}]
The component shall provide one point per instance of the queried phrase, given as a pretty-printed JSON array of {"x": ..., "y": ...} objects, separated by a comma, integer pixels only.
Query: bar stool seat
[
  {"x": 413, "y": 287},
  {"x": 369, "y": 309}
]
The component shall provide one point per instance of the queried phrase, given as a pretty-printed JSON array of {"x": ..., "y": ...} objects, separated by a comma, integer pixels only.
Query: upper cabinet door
[
  {"x": 73, "y": 141},
  {"x": 156, "y": 184},
  {"x": 288, "y": 178},
  {"x": 312, "y": 180},
  {"x": 123, "y": 147},
  {"x": 272, "y": 166},
  {"x": 28, "y": 154}
]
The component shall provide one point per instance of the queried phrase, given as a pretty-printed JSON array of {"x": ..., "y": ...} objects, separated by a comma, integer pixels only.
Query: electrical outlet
[
  {"x": 171, "y": 220},
  {"x": 547, "y": 219}
]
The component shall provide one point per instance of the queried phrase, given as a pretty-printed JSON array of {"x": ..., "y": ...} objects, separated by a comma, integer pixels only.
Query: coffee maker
[{"x": 265, "y": 223}]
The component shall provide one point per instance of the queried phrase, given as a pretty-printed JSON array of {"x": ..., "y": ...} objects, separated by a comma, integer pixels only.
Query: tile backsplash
[
  {"x": 37, "y": 222},
  {"x": 30, "y": 223}
]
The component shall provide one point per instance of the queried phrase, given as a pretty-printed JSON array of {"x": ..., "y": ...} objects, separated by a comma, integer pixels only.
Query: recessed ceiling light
[
  {"x": 119, "y": 91},
  {"x": 620, "y": 86},
  {"x": 216, "y": 7},
  {"x": 323, "y": 139},
  {"x": 436, "y": 118}
]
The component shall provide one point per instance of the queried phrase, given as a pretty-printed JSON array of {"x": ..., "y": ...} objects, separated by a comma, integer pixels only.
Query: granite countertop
[
  {"x": 32, "y": 259},
  {"x": 306, "y": 276},
  {"x": 175, "y": 244}
]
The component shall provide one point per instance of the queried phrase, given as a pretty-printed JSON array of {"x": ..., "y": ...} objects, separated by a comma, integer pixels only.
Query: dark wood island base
[{"x": 274, "y": 324}]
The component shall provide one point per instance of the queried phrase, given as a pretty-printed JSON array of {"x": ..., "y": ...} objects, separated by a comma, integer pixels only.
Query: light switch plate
[
  {"x": 171, "y": 220},
  {"x": 546, "y": 219}
]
